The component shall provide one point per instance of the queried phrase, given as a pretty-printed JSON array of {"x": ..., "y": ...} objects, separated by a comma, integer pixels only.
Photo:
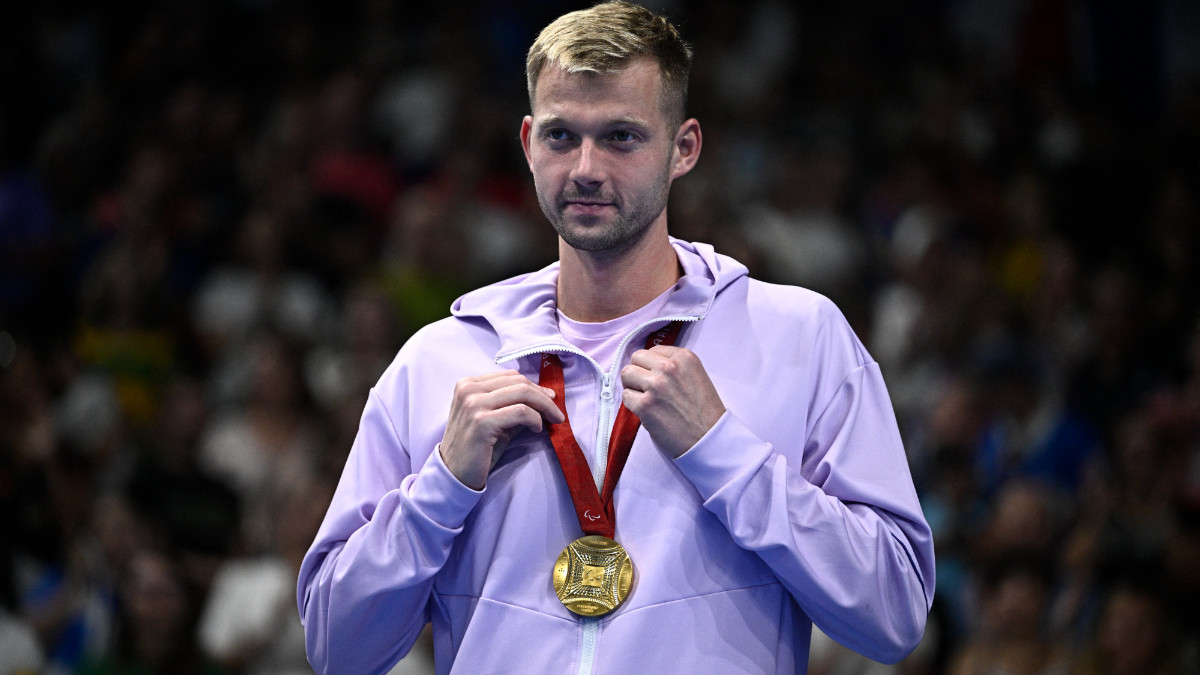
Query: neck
[{"x": 596, "y": 286}]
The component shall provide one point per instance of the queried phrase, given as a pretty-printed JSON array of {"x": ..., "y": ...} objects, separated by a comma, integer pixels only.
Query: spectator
[{"x": 209, "y": 210}]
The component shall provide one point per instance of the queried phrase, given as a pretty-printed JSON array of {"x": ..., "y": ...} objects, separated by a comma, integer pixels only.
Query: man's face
[{"x": 602, "y": 154}]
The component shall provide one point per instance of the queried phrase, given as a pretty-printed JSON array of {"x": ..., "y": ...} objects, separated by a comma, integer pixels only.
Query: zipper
[
  {"x": 604, "y": 427},
  {"x": 560, "y": 347},
  {"x": 608, "y": 397},
  {"x": 590, "y": 626},
  {"x": 541, "y": 349},
  {"x": 587, "y": 651}
]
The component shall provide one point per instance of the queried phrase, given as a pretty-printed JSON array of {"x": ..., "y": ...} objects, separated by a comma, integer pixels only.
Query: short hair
[{"x": 605, "y": 39}]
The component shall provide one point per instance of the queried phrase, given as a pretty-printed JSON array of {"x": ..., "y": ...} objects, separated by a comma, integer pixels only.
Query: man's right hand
[{"x": 485, "y": 414}]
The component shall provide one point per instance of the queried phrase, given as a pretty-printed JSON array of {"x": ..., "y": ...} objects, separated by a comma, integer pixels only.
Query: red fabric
[{"x": 594, "y": 509}]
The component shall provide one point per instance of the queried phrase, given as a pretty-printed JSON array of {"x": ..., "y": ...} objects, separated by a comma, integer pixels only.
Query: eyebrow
[{"x": 555, "y": 120}]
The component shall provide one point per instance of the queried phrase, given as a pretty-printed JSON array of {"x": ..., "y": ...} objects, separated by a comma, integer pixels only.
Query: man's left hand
[{"x": 668, "y": 388}]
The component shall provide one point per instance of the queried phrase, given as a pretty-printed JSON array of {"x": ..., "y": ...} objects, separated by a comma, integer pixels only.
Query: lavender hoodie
[{"x": 797, "y": 506}]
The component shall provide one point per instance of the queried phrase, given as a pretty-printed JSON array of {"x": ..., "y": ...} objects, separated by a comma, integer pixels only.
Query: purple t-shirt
[{"x": 601, "y": 340}]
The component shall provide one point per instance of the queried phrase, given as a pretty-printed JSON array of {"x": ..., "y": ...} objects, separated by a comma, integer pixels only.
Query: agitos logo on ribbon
[{"x": 593, "y": 574}]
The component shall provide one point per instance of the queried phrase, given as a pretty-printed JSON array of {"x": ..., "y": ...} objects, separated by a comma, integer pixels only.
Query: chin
[
  {"x": 598, "y": 242},
  {"x": 589, "y": 244}
]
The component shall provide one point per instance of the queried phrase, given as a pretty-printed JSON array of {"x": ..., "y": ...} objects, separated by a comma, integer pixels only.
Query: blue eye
[
  {"x": 623, "y": 136},
  {"x": 557, "y": 134}
]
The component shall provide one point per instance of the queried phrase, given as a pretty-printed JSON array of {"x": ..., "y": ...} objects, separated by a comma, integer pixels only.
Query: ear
[
  {"x": 686, "y": 150},
  {"x": 526, "y": 130}
]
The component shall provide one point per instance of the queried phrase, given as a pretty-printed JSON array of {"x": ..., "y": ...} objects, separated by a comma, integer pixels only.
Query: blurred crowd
[{"x": 219, "y": 221}]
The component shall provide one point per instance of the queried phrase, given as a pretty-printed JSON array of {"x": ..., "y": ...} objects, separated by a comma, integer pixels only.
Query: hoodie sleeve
[
  {"x": 365, "y": 583},
  {"x": 836, "y": 515}
]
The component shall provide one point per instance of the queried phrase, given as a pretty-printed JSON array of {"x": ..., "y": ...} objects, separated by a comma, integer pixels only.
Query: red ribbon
[{"x": 594, "y": 508}]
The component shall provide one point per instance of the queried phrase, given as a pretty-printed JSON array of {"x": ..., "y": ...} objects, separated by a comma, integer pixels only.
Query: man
[{"x": 766, "y": 487}]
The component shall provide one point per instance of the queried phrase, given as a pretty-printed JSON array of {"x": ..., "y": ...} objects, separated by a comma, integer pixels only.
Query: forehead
[{"x": 633, "y": 91}]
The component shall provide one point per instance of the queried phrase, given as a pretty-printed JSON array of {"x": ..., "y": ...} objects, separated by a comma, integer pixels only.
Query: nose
[{"x": 588, "y": 169}]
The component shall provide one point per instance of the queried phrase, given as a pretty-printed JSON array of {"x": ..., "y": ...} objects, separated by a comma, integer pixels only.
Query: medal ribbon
[{"x": 594, "y": 508}]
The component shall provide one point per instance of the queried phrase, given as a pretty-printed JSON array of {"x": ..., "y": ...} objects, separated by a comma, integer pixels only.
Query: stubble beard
[{"x": 625, "y": 228}]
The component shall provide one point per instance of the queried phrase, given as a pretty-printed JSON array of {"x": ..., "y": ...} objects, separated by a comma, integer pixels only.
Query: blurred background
[{"x": 219, "y": 220}]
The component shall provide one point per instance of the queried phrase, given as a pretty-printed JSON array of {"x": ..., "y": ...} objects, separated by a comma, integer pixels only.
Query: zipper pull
[{"x": 606, "y": 387}]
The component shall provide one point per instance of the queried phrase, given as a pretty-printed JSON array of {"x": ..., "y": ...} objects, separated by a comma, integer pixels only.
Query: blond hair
[{"x": 605, "y": 39}]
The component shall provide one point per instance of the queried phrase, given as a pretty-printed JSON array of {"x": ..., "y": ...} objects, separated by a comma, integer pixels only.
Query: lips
[
  {"x": 572, "y": 197},
  {"x": 584, "y": 207}
]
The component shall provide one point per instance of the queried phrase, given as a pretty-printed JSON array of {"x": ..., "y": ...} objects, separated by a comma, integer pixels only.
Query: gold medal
[{"x": 593, "y": 575}]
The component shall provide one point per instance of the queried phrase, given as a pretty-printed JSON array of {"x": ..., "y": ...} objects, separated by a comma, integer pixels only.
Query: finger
[
  {"x": 635, "y": 377},
  {"x": 496, "y": 374},
  {"x": 664, "y": 351},
  {"x": 633, "y": 399},
  {"x": 540, "y": 399},
  {"x": 660, "y": 358},
  {"x": 483, "y": 384},
  {"x": 491, "y": 381},
  {"x": 648, "y": 358},
  {"x": 510, "y": 417}
]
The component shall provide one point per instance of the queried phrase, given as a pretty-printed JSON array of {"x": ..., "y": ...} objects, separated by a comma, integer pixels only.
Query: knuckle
[
  {"x": 467, "y": 386},
  {"x": 632, "y": 400},
  {"x": 478, "y": 417},
  {"x": 651, "y": 380},
  {"x": 474, "y": 401}
]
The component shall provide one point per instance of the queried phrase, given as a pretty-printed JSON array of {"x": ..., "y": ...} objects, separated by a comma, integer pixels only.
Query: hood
[{"x": 521, "y": 310}]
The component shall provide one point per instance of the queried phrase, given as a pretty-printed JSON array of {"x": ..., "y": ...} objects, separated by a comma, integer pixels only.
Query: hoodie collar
[{"x": 521, "y": 310}]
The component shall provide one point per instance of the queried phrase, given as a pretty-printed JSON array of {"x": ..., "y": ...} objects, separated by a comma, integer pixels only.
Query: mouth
[
  {"x": 588, "y": 202},
  {"x": 586, "y": 207}
]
